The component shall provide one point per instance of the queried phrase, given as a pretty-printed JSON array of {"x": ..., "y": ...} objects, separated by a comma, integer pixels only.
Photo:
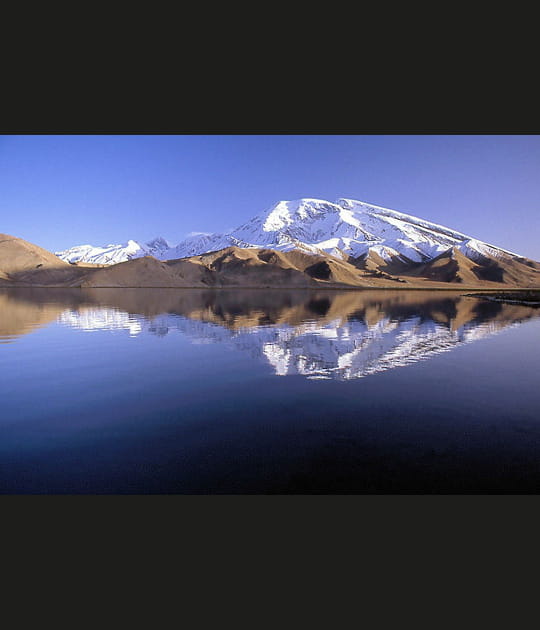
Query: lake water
[{"x": 222, "y": 391}]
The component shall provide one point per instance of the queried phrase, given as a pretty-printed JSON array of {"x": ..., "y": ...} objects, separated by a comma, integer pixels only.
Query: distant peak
[{"x": 159, "y": 241}]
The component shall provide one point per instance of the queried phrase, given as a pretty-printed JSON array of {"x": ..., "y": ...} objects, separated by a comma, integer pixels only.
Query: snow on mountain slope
[
  {"x": 157, "y": 246},
  {"x": 111, "y": 254},
  {"x": 343, "y": 228},
  {"x": 476, "y": 250}
]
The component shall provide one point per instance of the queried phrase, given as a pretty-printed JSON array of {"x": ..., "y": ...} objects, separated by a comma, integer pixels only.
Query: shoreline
[
  {"x": 285, "y": 288},
  {"x": 525, "y": 297}
]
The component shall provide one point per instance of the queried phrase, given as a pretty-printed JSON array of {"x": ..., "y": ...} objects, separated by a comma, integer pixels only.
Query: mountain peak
[
  {"x": 346, "y": 228},
  {"x": 159, "y": 240},
  {"x": 157, "y": 246},
  {"x": 285, "y": 213}
]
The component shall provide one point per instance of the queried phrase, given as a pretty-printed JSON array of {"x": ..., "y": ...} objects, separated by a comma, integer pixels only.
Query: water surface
[{"x": 222, "y": 391}]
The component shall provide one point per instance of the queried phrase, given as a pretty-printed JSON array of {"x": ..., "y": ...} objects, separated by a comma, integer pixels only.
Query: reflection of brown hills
[
  {"x": 25, "y": 309},
  {"x": 252, "y": 307},
  {"x": 18, "y": 317},
  {"x": 245, "y": 308},
  {"x": 22, "y": 310}
]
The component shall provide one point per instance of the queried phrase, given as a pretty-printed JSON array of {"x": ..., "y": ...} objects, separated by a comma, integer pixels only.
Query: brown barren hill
[
  {"x": 139, "y": 272},
  {"x": 450, "y": 266},
  {"x": 25, "y": 264},
  {"x": 17, "y": 255},
  {"x": 231, "y": 267},
  {"x": 234, "y": 266},
  {"x": 454, "y": 268}
]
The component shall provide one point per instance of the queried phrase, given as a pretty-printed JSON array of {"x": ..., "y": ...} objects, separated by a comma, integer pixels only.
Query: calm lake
[{"x": 246, "y": 391}]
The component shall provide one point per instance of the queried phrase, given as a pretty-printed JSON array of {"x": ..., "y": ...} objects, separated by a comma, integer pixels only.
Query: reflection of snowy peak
[
  {"x": 345, "y": 227},
  {"x": 339, "y": 349},
  {"x": 356, "y": 349},
  {"x": 101, "y": 319}
]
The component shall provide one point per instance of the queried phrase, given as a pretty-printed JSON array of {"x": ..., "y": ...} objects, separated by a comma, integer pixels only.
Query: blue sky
[{"x": 60, "y": 191}]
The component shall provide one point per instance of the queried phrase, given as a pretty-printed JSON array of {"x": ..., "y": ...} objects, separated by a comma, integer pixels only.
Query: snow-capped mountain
[
  {"x": 111, "y": 254},
  {"x": 342, "y": 228}
]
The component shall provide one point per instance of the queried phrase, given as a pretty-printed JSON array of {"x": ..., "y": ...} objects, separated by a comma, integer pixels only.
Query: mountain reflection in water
[{"x": 320, "y": 335}]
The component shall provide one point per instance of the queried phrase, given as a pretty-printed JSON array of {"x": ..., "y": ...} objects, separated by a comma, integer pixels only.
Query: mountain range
[
  {"x": 345, "y": 228},
  {"x": 306, "y": 243}
]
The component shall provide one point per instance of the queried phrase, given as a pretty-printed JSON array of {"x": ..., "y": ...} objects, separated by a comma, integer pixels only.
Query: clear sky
[{"x": 60, "y": 191}]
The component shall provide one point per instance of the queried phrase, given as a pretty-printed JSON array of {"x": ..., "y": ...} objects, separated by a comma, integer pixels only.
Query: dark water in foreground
[{"x": 180, "y": 391}]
